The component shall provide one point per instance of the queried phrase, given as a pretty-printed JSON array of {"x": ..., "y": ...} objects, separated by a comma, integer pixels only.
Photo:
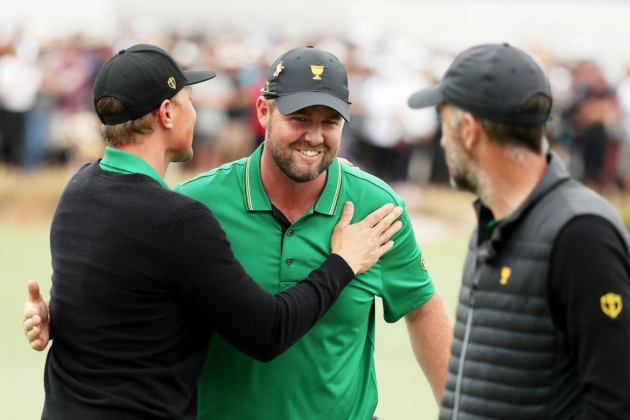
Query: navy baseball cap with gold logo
[
  {"x": 492, "y": 81},
  {"x": 142, "y": 77},
  {"x": 304, "y": 77}
]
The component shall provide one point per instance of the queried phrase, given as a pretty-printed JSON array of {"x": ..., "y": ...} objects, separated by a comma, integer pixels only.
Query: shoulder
[
  {"x": 589, "y": 247},
  {"x": 568, "y": 201},
  {"x": 170, "y": 203},
  {"x": 581, "y": 200},
  {"x": 86, "y": 171},
  {"x": 229, "y": 171},
  {"x": 588, "y": 232},
  {"x": 358, "y": 184}
]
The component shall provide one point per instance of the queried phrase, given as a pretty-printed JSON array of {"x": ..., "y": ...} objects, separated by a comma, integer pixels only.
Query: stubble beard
[{"x": 463, "y": 172}]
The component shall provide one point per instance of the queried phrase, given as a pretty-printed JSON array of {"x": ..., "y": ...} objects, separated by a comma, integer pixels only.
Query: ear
[
  {"x": 165, "y": 114},
  {"x": 470, "y": 131},
  {"x": 263, "y": 111}
]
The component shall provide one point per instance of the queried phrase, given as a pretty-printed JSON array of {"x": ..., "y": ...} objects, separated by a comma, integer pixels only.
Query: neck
[
  {"x": 291, "y": 197},
  {"x": 509, "y": 177},
  {"x": 149, "y": 150}
]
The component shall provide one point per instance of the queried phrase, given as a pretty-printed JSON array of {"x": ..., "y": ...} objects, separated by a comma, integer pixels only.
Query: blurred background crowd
[
  {"x": 50, "y": 52},
  {"x": 47, "y": 118}
]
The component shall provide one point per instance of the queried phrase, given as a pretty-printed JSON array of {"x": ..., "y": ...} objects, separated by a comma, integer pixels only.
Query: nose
[{"x": 314, "y": 134}]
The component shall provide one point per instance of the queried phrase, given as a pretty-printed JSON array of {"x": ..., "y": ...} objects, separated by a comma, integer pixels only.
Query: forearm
[
  {"x": 220, "y": 296},
  {"x": 269, "y": 325},
  {"x": 430, "y": 332}
]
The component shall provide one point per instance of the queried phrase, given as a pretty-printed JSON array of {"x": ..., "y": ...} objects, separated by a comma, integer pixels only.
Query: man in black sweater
[{"x": 142, "y": 276}]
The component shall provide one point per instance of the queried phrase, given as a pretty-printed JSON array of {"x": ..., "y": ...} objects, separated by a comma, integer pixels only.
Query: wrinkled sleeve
[{"x": 406, "y": 282}]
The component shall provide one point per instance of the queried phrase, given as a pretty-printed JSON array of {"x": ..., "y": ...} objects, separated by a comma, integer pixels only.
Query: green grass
[
  {"x": 403, "y": 391},
  {"x": 25, "y": 254}
]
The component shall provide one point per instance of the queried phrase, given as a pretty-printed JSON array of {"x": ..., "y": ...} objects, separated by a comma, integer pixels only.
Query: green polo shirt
[
  {"x": 328, "y": 374},
  {"x": 125, "y": 163}
]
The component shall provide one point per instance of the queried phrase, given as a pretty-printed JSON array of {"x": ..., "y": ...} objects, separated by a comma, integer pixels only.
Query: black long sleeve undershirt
[{"x": 589, "y": 261}]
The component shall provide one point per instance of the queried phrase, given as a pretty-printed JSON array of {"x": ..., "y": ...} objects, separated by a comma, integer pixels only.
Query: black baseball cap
[
  {"x": 308, "y": 76},
  {"x": 491, "y": 81},
  {"x": 142, "y": 77}
]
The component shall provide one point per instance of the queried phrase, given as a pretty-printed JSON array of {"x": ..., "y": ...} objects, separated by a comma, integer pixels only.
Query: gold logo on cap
[
  {"x": 171, "y": 83},
  {"x": 611, "y": 305},
  {"x": 266, "y": 87},
  {"x": 279, "y": 69},
  {"x": 317, "y": 71},
  {"x": 506, "y": 272}
]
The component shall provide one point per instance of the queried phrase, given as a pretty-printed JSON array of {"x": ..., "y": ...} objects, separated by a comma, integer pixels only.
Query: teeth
[{"x": 309, "y": 153}]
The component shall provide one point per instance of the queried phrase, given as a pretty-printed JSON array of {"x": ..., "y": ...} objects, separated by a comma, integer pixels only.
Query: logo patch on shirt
[
  {"x": 506, "y": 272},
  {"x": 422, "y": 264},
  {"x": 611, "y": 305}
]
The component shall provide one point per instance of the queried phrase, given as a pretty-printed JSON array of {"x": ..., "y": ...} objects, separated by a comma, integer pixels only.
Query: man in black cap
[
  {"x": 143, "y": 276},
  {"x": 279, "y": 205},
  {"x": 541, "y": 329}
]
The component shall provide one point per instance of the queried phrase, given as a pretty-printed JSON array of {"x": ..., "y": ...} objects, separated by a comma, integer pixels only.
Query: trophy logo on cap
[
  {"x": 317, "y": 71},
  {"x": 171, "y": 83}
]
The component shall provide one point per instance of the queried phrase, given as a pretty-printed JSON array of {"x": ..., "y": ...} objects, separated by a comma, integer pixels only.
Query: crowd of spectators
[{"x": 47, "y": 118}]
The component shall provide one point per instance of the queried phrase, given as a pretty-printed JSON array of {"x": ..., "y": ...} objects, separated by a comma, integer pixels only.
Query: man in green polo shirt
[{"x": 278, "y": 208}]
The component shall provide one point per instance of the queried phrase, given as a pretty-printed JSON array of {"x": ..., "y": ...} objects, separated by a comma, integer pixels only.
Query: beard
[
  {"x": 283, "y": 156},
  {"x": 463, "y": 171}
]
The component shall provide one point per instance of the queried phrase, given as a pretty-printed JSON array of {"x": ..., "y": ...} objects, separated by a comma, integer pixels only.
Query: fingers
[
  {"x": 33, "y": 334},
  {"x": 346, "y": 214},
  {"x": 36, "y": 336},
  {"x": 30, "y": 310},
  {"x": 377, "y": 215},
  {"x": 386, "y": 222},
  {"x": 382, "y": 250},
  {"x": 38, "y": 344},
  {"x": 31, "y": 323},
  {"x": 33, "y": 291},
  {"x": 345, "y": 161},
  {"x": 391, "y": 230}
]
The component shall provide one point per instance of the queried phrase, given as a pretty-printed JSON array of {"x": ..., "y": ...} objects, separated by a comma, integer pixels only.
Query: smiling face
[{"x": 303, "y": 144}]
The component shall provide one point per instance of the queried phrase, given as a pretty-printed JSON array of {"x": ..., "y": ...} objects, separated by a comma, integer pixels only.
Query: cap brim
[
  {"x": 198, "y": 76},
  {"x": 431, "y": 96},
  {"x": 288, "y": 104}
]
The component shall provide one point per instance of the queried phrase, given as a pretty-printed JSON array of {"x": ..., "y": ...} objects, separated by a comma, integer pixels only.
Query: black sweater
[{"x": 142, "y": 277}]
